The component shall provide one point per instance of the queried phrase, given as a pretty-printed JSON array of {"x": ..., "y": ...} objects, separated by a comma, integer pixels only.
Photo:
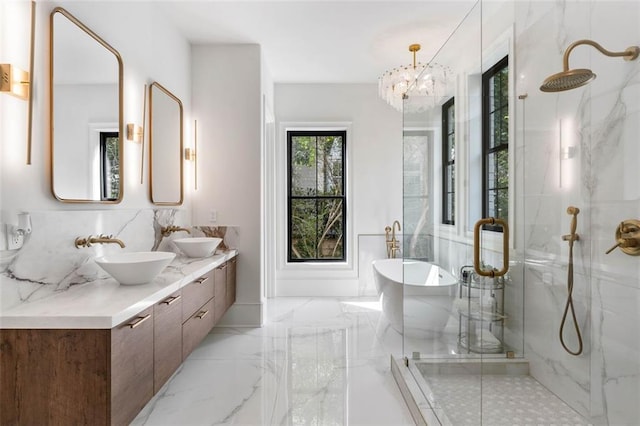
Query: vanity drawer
[
  {"x": 197, "y": 327},
  {"x": 194, "y": 295}
]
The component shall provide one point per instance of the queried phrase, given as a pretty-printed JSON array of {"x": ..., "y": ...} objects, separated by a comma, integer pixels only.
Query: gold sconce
[
  {"x": 134, "y": 132},
  {"x": 17, "y": 82},
  {"x": 190, "y": 154},
  {"x": 14, "y": 81}
]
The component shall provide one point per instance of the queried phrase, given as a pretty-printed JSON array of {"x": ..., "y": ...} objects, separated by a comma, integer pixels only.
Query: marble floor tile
[{"x": 316, "y": 361}]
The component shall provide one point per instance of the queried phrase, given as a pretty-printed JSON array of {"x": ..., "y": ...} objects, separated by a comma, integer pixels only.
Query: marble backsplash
[{"x": 49, "y": 263}]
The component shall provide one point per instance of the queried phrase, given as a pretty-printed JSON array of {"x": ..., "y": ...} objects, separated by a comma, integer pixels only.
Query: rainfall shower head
[
  {"x": 571, "y": 79},
  {"x": 567, "y": 80}
]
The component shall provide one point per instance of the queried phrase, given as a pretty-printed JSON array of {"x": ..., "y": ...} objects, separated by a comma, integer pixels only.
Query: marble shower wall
[
  {"x": 581, "y": 149},
  {"x": 49, "y": 262}
]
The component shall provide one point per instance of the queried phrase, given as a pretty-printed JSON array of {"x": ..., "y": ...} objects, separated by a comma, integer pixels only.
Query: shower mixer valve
[{"x": 628, "y": 237}]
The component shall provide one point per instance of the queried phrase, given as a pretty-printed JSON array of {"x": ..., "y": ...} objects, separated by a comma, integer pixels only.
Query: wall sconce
[
  {"x": 14, "y": 81},
  {"x": 190, "y": 154},
  {"x": 17, "y": 82},
  {"x": 134, "y": 133}
]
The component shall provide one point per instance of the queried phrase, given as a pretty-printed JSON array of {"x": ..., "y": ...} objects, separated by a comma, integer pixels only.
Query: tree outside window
[
  {"x": 495, "y": 88},
  {"x": 316, "y": 197}
]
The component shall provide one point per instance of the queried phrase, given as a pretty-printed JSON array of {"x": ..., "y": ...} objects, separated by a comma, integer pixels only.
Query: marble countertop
[{"x": 104, "y": 303}]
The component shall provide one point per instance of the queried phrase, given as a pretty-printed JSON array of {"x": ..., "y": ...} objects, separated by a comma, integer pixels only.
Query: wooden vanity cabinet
[
  {"x": 106, "y": 376},
  {"x": 131, "y": 367},
  {"x": 63, "y": 377},
  {"x": 167, "y": 338}
]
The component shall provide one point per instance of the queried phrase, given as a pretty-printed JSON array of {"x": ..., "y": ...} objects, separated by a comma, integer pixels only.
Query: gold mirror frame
[
  {"x": 121, "y": 134},
  {"x": 153, "y": 86}
]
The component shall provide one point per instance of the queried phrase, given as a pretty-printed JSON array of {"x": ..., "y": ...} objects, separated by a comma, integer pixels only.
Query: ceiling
[{"x": 310, "y": 41}]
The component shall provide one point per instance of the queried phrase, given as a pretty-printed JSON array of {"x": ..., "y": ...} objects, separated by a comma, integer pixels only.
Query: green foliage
[
  {"x": 316, "y": 171},
  {"x": 113, "y": 160}
]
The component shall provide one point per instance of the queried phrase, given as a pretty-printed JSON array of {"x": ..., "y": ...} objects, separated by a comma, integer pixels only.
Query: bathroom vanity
[{"x": 96, "y": 355}]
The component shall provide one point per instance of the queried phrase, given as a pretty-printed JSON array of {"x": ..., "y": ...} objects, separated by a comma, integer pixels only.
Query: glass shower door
[{"x": 460, "y": 328}]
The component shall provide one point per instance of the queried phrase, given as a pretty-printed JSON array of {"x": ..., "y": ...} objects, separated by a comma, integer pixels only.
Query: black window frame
[
  {"x": 448, "y": 218},
  {"x": 487, "y": 136},
  {"x": 290, "y": 135},
  {"x": 104, "y": 180}
]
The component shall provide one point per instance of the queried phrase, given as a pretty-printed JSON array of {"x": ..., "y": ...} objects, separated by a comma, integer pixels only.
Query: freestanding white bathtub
[{"x": 417, "y": 297}]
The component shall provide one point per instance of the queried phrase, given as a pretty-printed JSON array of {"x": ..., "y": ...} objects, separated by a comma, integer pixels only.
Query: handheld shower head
[
  {"x": 571, "y": 79},
  {"x": 573, "y": 210}
]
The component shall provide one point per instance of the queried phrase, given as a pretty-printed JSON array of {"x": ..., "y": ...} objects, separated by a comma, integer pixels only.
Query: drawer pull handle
[
  {"x": 139, "y": 321},
  {"x": 223, "y": 267},
  {"x": 170, "y": 300},
  {"x": 201, "y": 280},
  {"x": 202, "y": 314}
]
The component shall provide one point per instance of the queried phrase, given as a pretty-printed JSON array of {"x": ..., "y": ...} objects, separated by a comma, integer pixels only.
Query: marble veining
[
  {"x": 316, "y": 361},
  {"x": 105, "y": 303},
  {"x": 52, "y": 283}
]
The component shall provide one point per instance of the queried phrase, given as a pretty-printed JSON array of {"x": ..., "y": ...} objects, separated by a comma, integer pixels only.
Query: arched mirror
[
  {"x": 165, "y": 146},
  {"x": 86, "y": 114}
]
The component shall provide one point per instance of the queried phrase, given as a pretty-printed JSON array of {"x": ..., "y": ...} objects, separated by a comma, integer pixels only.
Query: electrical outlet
[
  {"x": 213, "y": 216},
  {"x": 14, "y": 241}
]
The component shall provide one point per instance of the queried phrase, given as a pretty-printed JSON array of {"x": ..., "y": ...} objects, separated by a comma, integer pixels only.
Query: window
[
  {"x": 495, "y": 142},
  {"x": 109, "y": 166},
  {"x": 448, "y": 162},
  {"x": 417, "y": 178},
  {"x": 316, "y": 197}
]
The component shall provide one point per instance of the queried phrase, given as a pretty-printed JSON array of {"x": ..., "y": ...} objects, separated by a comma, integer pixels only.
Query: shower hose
[{"x": 569, "y": 304}]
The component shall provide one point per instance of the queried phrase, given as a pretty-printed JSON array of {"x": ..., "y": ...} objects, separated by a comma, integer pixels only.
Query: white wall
[
  {"x": 151, "y": 49},
  {"x": 227, "y": 97},
  {"x": 374, "y": 168}
]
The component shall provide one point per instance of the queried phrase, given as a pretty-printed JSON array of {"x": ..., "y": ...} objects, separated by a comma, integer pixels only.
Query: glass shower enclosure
[
  {"x": 458, "y": 325},
  {"x": 487, "y": 142}
]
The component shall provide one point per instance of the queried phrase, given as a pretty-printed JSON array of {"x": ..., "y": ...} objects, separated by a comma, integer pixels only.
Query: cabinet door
[
  {"x": 196, "y": 294},
  {"x": 220, "y": 279},
  {"x": 54, "y": 377},
  {"x": 131, "y": 367},
  {"x": 231, "y": 282},
  {"x": 167, "y": 339},
  {"x": 197, "y": 327}
]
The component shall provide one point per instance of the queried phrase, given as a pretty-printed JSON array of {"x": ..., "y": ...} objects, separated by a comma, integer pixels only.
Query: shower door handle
[{"x": 505, "y": 247}]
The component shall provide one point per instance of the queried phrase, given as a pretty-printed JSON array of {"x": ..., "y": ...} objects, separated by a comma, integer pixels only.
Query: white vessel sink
[
  {"x": 198, "y": 246},
  {"x": 135, "y": 267}
]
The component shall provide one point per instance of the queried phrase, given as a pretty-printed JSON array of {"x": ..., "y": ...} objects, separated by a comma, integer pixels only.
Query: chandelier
[{"x": 413, "y": 88}]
